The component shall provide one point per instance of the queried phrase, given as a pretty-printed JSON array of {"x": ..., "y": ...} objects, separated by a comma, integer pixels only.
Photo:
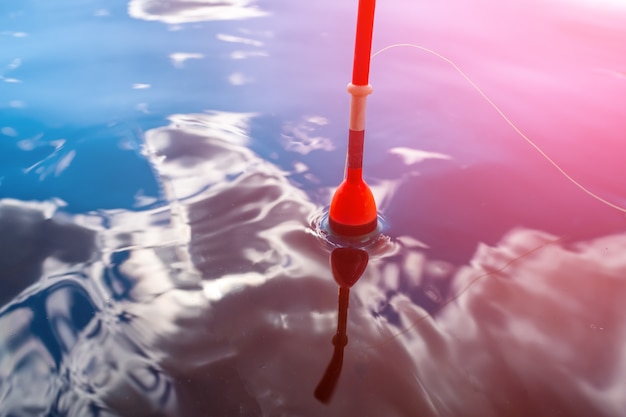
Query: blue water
[{"x": 165, "y": 167}]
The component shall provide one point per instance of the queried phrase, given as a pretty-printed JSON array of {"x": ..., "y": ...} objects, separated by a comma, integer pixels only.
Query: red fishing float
[{"x": 353, "y": 208}]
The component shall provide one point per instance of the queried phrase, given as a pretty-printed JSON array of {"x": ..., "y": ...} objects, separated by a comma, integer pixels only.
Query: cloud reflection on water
[
  {"x": 300, "y": 137},
  {"x": 535, "y": 330},
  {"x": 515, "y": 340},
  {"x": 223, "y": 303},
  {"x": 187, "y": 11}
]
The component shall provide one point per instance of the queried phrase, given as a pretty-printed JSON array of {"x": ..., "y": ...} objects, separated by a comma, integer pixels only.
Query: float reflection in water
[{"x": 347, "y": 265}]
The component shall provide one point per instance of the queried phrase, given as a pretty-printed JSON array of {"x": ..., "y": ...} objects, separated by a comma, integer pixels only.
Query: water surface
[{"x": 164, "y": 167}]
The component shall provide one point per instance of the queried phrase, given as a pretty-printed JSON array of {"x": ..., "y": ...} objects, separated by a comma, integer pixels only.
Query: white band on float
[{"x": 359, "y": 95}]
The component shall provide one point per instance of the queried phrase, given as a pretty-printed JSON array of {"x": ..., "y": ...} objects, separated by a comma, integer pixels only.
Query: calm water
[{"x": 164, "y": 166}]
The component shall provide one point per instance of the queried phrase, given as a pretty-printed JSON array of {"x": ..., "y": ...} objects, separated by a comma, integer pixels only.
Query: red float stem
[
  {"x": 353, "y": 209},
  {"x": 363, "y": 44}
]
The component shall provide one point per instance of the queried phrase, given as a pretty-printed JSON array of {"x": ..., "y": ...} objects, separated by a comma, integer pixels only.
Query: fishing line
[{"x": 507, "y": 120}]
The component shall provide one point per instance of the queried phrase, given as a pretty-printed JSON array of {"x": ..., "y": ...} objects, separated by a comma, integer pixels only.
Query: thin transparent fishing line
[{"x": 506, "y": 119}]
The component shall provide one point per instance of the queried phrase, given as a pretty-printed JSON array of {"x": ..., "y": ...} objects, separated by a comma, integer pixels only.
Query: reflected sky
[
  {"x": 542, "y": 310},
  {"x": 186, "y": 11},
  {"x": 177, "y": 299}
]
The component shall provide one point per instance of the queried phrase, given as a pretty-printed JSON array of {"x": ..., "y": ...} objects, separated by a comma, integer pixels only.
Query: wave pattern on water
[{"x": 163, "y": 268}]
